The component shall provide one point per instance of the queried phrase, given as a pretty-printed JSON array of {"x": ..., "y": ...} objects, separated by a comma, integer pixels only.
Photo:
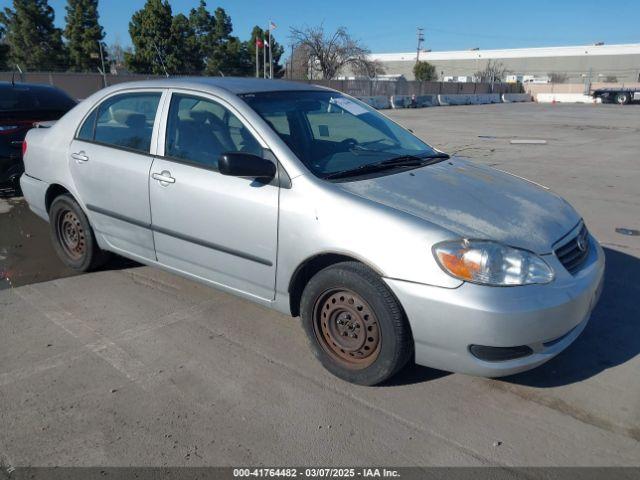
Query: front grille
[{"x": 573, "y": 253}]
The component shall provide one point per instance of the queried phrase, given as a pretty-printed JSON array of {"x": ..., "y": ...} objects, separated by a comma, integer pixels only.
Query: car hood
[{"x": 475, "y": 201}]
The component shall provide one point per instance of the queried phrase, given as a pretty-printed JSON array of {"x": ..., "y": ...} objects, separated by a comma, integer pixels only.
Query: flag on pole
[
  {"x": 272, "y": 26},
  {"x": 259, "y": 43}
]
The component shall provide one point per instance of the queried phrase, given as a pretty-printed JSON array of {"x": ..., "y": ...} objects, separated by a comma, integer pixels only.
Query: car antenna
[
  {"x": 161, "y": 61},
  {"x": 13, "y": 75}
]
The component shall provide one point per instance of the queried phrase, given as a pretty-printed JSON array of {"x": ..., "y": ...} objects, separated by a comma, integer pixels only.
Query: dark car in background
[{"x": 22, "y": 106}]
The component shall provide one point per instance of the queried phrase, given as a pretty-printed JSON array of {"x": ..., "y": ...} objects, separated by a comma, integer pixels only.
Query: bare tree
[
  {"x": 493, "y": 72},
  {"x": 298, "y": 65},
  {"x": 368, "y": 68},
  {"x": 332, "y": 52},
  {"x": 556, "y": 77},
  {"x": 116, "y": 54}
]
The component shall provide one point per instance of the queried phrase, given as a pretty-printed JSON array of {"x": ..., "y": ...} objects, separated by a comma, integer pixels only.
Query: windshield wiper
[{"x": 394, "y": 162}]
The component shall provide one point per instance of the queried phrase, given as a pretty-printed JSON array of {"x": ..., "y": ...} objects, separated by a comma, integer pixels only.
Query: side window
[
  {"x": 123, "y": 121},
  {"x": 200, "y": 130},
  {"x": 88, "y": 127}
]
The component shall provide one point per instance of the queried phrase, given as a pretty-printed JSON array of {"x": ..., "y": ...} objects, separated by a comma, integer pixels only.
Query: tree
[
  {"x": 299, "y": 63},
  {"x": 184, "y": 39},
  {"x": 369, "y": 69},
  {"x": 331, "y": 53},
  {"x": 558, "y": 77},
  {"x": 276, "y": 51},
  {"x": 162, "y": 43},
  {"x": 493, "y": 72},
  {"x": 4, "y": 50},
  {"x": 230, "y": 58},
  {"x": 221, "y": 52},
  {"x": 84, "y": 35},
  {"x": 34, "y": 42},
  {"x": 116, "y": 53},
  {"x": 425, "y": 72}
]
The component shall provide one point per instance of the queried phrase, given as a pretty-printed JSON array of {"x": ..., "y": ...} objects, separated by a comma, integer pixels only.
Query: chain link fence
[{"x": 81, "y": 85}]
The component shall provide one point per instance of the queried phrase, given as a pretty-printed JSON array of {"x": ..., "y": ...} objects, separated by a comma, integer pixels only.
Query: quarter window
[
  {"x": 200, "y": 130},
  {"x": 86, "y": 132},
  {"x": 123, "y": 121}
]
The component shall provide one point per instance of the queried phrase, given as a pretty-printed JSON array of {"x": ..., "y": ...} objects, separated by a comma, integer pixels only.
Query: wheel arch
[
  {"x": 53, "y": 191},
  {"x": 312, "y": 265}
]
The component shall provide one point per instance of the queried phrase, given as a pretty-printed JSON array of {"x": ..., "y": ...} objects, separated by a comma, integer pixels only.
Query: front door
[
  {"x": 219, "y": 228},
  {"x": 109, "y": 160}
]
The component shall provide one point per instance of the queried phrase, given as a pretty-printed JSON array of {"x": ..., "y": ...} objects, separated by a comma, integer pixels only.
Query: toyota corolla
[{"x": 308, "y": 201}]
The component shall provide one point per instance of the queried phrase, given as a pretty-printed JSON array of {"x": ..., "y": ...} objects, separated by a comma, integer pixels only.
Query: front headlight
[{"x": 490, "y": 263}]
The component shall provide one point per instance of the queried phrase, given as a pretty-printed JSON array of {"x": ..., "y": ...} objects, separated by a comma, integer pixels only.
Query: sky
[{"x": 387, "y": 26}]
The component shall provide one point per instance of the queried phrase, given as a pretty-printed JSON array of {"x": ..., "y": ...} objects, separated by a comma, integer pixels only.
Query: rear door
[
  {"x": 218, "y": 228},
  {"x": 110, "y": 159}
]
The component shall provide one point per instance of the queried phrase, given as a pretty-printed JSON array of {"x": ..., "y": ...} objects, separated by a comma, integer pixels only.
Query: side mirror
[{"x": 238, "y": 164}]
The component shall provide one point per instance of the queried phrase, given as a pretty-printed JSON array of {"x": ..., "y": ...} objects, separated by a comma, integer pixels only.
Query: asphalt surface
[{"x": 134, "y": 366}]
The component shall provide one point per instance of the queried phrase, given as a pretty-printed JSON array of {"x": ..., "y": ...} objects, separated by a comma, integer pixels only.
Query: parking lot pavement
[{"x": 140, "y": 367}]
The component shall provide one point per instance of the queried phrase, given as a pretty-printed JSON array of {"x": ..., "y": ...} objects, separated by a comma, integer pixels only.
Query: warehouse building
[{"x": 599, "y": 62}]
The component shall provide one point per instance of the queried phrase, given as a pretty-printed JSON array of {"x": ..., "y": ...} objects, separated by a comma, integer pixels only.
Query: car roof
[
  {"x": 30, "y": 86},
  {"x": 235, "y": 85}
]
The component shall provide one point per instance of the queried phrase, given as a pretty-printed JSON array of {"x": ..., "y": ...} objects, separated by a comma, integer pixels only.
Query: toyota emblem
[{"x": 582, "y": 243}]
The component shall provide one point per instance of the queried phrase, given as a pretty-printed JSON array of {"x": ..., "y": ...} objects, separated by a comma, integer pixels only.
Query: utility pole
[
  {"x": 420, "y": 36},
  {"x": 291, "y": 64}
]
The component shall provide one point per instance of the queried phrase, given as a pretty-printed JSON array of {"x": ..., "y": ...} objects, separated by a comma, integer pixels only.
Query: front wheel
[
  {"x": 355, "y": 325},
  {"x": 72, "y": 235}
]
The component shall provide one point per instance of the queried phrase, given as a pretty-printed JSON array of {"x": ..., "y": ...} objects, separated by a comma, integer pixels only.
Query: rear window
[{"x": 21, "y": 98}]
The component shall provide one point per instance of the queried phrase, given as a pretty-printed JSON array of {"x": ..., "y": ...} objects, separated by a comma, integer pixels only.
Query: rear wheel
[
  {"x": 14, "y": 183},
  {"x": 355, "y": 325},
  {"x": 622, "y": 98},
  {"x": 72, "y": 235}
]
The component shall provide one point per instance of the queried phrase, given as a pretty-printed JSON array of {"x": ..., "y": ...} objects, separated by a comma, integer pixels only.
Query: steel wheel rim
[
  {"x": 71, "y": 234},
  {"x": 346, "y": 328}
]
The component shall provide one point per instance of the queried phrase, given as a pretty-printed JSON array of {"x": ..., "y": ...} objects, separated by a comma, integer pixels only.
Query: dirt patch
[{"x": 26, "y": 254}]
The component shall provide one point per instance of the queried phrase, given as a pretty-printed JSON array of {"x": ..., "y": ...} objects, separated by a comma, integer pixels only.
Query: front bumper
[{"x": 547, "y": 318}]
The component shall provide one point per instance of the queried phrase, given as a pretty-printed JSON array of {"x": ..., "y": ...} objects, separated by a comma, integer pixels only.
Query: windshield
[{"x": 334, "y": 135}]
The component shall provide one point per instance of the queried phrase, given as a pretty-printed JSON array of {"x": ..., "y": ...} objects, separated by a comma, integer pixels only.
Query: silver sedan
[{"x": 308, "y": 201}]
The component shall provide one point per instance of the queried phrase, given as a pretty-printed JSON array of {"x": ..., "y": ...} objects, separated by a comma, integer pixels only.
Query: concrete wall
[
  {"x": 469, "y": 99},
  {"x": 572, "y": 88},
  {"x": 565, "y": 98},
  {"x": 626, "y": 68}
]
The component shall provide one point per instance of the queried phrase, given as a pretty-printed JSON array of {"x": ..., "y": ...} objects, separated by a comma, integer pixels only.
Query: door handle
[
  {"x": 80, "y": 157},
  {"x": 164, "y": 178}
]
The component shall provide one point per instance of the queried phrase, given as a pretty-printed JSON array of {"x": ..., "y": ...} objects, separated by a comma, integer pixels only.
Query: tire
[
  {"x": 14, "y": 182},
  {"x": 355, "y": 325},
  {"x": 622, "y": 98},
  {"x": 72, "y": 236}
]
